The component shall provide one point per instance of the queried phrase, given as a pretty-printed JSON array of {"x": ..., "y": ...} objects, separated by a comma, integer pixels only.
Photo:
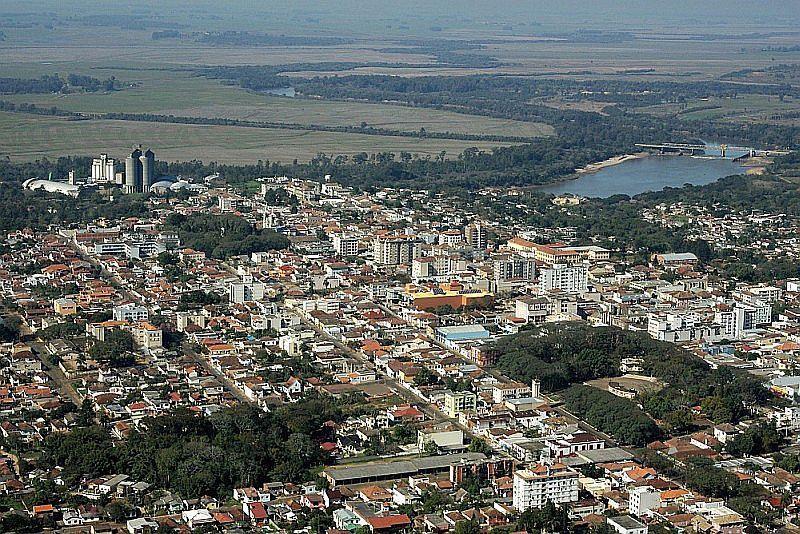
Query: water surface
[{"x": 653, "y": 173}]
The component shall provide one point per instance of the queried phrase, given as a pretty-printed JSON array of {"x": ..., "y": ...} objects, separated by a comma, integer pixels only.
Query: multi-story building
[
  {"x": 477, "y": 236},
  {"x": 438, "y": 266},
  {"x": 64, "y": 306},
  {"x": 568, "y": 278},
  {"x": 643, "y": 499},
  {"x": 345, "y": 244},
  {"x": 395, "y": 249},
  {"x": 743, "y": 318},
  {"x": 509, "y": 267},
  {"x": 532, "y": 309},
  {"x": 130, "y": 313},
  {"x": 248, "y": 290},
  {"x": 458, "y": 402},
  {"x": 451, "y": 238},
  {"x": 535, "y": 486},
  {"x": 130, "y": 249},
  {"x": 147, "y": 336},
  {"x": 788, "y": 419},
  {"x": 681, "y": 327}
]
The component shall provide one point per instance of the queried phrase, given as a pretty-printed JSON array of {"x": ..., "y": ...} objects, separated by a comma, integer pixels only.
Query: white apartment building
[
  {"x": 130, "y": 313},
  {"x": 788, "y": 419},
  {"x": 395, "y": 249},
  {"x": 534, "y": 486},
  {"x": 743, "y": 318},
  {"x": 345, "y": 245},
  {"x": 642, "y": 499},
  {"x": 681, "y": 327},
  {"x": 247, "y": 290},
  {"x": 568, "y": 278},
  {"x": 451, "y": 238}
]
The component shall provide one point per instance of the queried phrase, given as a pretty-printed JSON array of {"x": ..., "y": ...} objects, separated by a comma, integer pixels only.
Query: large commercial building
[
  {"x": 535, "y": 486},
  {"x": 453, "y": 295},
  {"x": 140, "y": 171}
]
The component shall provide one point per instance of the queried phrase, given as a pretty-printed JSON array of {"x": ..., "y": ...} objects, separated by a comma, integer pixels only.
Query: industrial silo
[
  {"x": 148, "y": 162},
  {"x": 133, "y": 172}
]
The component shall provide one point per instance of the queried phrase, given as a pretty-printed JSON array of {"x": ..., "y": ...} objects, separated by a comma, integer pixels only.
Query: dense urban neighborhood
[
  {"x": 305, "y": 355},
  {"x": 399, "y": 266}
]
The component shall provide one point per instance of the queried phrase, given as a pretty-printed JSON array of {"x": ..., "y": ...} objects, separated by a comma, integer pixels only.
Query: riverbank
[{"x": 610, "y": 162}]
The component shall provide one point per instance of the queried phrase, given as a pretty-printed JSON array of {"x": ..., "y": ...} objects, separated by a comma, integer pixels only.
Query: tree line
[{"x": 204, "y": 455}]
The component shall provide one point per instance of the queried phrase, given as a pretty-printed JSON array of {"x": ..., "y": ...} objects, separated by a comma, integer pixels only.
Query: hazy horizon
[{"x": 517, "y": 16}]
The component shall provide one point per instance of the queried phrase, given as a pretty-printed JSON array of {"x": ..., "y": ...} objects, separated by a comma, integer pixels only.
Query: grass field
[
  {"x": 743, "y": 108},
  {"x": 179, "y": 93},
  {"x": 29, "y": 137}
]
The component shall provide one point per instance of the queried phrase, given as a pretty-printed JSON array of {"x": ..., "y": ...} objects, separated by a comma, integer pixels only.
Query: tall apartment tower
[
  {"x": 395, "y": 249},
  {"x": 103, "y": 170},
  {"x": 476, "y": 236}
]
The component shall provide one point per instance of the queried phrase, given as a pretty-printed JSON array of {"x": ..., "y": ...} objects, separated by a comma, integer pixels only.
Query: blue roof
[{"x": 463, "y": 333}]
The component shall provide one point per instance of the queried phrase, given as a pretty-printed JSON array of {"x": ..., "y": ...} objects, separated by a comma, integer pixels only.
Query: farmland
[{"x": 29, "y": 137}]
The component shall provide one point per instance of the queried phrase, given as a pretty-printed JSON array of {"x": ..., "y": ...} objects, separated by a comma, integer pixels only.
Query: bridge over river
[{"x": 724, "y": 151}]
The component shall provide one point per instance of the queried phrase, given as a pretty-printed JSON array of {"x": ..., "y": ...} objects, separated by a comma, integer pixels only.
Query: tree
[
  {"x": 758, "y": 439},
  {"x": 118, "y": 511},
  {"x": 550, "y": 518},
  {"x": 480, "y": 445},
  {"x": 167, "y": 258},
  {"x": 117, "y": 348},
  {"x": 9, "y": 329},
  {"x": 86, "y": 413},
  {"x": 467, "y": 527}
]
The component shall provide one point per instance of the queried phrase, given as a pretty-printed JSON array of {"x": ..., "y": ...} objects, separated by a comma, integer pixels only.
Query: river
[{"x": 652, "y": 173}]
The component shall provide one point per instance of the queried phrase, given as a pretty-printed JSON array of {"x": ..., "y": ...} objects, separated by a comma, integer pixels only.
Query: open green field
[
  {"x": 29, "y": 137},
  {"x": 182, "y": 94},
  {"x": 743, "y": 108}
]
